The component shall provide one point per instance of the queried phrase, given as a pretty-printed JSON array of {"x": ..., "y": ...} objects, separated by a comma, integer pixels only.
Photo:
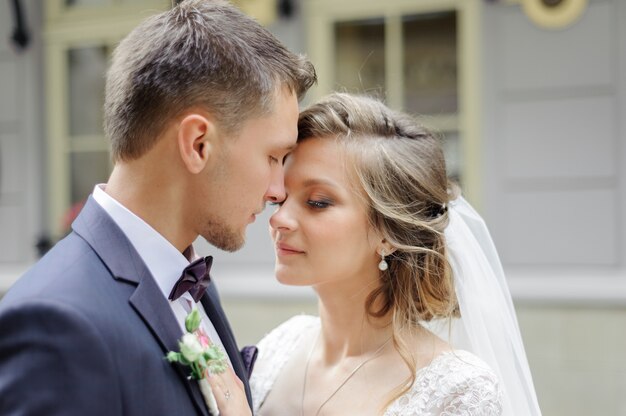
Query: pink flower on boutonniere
[
  {"x": 203, "y": 338},
  {"x": 204, "y": 358}
]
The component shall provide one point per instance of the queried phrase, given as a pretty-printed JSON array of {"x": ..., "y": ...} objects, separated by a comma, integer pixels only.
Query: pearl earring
[{"x": 382, "y": 266}]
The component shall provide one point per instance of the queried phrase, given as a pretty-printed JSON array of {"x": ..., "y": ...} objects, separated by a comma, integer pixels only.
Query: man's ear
[{"x": 196, "y": 141}]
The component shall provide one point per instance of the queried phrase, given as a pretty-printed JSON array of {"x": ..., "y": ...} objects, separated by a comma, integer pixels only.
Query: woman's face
[{"x": 321, "y": 232}]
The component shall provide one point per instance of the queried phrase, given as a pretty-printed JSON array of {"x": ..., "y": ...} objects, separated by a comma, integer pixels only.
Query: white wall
[
  {"x": 554, "y": 127},
  {"x": 21, "y": 144}
]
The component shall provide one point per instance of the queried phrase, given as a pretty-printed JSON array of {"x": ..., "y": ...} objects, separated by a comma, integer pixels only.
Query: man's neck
[{"x": 152, "y": 198}]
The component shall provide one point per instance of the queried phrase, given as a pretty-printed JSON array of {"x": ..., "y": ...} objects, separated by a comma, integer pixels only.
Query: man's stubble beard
[
  {"x": 221, "y": 236},
  {"x": 216, "y": 230}
]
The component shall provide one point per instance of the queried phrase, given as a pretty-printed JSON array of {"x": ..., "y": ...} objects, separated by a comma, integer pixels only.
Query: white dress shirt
[{"x": 163, "y": 260}]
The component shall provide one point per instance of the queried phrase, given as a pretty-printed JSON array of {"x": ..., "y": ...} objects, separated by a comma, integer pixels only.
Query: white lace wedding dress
[{"x": 453, "y": 384}]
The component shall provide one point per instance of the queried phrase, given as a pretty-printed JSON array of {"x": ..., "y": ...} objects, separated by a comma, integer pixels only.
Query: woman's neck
[{"x": 346, "y": 328}]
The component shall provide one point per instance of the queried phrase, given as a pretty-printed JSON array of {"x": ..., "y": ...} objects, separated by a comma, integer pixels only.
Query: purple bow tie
[{"x": 194, "y": 279}]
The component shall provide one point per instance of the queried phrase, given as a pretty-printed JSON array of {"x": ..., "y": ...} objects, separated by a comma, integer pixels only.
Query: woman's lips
[{"x": 285, "y": 249}]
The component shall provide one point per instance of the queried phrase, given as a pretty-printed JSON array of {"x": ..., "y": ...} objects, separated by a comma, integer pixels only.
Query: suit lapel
[
  {"x": 117, "y": 253},
  {"x": 211, "y": 303},
  {"x": 148, "y": 301}
]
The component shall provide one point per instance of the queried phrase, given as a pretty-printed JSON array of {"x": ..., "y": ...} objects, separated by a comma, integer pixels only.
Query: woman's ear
[
  {"x": 385, "y": 247},
  {"x": 196, "y": 141}
]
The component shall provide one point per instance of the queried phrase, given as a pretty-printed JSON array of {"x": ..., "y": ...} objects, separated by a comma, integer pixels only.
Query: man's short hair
[{"x": 203, "y": 53}]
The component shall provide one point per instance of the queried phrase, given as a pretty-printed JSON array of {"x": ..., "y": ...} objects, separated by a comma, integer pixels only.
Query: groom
[{"x": 201, "y": 108}]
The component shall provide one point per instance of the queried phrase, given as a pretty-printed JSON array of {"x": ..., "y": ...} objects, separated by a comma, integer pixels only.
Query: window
[
  {"x": 418, "y": 56},
  {"x": 79, "y": 38}
]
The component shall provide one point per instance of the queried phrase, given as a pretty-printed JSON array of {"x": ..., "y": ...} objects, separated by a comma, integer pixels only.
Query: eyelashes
[
  {"x": 319, "y": 204},
  {"x": 311, "y": 203}
]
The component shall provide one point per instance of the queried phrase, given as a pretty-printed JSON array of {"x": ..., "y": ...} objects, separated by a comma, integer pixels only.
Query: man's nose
[{"x": 276, "y": 189}]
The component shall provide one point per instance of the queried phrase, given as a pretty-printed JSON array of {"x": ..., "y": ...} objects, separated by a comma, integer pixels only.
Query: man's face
[{"x": 247, "y": 173}]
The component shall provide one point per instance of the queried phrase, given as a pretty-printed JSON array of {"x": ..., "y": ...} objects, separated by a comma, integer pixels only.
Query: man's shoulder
[
  {"x": 70, "y": 257},
  {"x": 70, "y": 267}
]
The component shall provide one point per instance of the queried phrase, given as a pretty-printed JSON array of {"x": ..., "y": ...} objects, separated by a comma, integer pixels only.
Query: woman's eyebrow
[{"x": 318, "y": 181}]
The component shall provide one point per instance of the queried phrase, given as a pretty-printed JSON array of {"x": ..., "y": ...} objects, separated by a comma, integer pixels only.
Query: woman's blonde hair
[{"x": 401, "y": 168}]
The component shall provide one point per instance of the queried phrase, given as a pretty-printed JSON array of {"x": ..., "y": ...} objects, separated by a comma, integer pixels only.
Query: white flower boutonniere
[{"x": 197, "y": 352}]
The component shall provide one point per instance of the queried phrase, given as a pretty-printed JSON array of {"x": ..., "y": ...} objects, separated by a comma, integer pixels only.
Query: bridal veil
[{"x": 488, "y": 325}]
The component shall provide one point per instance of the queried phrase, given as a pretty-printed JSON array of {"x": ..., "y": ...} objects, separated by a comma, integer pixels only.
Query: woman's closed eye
[{"x": 319, "y": 203}]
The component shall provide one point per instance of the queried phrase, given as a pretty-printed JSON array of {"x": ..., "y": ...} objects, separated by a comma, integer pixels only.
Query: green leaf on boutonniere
[
  {"x": 192, "y": 321},
  {"x": 197, "y": 352},
  {"x": 173, "y": 357}
]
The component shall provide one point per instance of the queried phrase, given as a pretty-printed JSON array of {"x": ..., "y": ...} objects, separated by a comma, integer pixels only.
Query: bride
[{"x": 415, "y": 317}]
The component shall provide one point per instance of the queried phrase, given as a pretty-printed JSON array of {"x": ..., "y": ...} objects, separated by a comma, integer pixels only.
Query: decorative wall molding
[
  {"x": 551, "y": 14},
  {"x": 553, "y": 287},
  {"x": 554, "y": 14}
]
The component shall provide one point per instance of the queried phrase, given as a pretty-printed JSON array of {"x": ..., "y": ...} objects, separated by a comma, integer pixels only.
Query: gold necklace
[{"x": 353, "y": 372}]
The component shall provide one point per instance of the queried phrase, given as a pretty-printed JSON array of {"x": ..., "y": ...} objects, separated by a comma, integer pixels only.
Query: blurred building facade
[{"x": 532, "y": 107}]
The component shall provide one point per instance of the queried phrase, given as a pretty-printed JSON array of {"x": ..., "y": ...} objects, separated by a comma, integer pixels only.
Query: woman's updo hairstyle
[{"x": 401, "y": 168}]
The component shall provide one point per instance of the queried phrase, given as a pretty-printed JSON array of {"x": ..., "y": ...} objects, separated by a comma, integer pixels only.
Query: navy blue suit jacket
[{"x": 85, "y": 332}]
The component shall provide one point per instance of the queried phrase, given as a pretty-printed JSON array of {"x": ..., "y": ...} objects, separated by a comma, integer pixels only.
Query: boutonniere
[{"x": 200, "y": 356}]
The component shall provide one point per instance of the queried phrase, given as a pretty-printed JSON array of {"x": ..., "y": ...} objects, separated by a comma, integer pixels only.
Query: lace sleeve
[
  {"x": 478, "y": 396},
  {"x": 454, "y": 384},
  {"x": 274, "y": 351}
]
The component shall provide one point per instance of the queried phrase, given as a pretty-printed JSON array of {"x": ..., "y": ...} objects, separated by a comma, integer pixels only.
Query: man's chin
[
  {"x": 234, "y": 247},
  {"x": 229, "y": 242}
]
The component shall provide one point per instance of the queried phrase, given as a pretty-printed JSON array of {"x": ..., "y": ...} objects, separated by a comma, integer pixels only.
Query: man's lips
[
  {"x": 286, "y": 249},
  {"x": 254, "y": 215}
]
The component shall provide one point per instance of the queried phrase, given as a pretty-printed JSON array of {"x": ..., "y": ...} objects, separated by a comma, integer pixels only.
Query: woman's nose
[{"x": 283, "y": 218}]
